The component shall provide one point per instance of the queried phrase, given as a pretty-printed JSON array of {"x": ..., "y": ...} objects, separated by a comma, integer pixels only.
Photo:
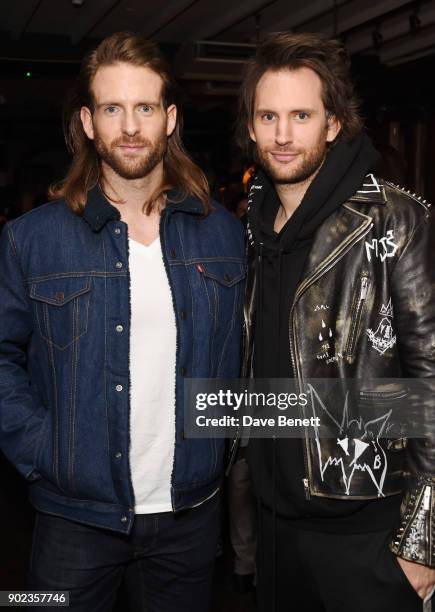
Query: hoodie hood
[
  {"x": 277, "y": 465},
  {"x": 341, "y": 175}
]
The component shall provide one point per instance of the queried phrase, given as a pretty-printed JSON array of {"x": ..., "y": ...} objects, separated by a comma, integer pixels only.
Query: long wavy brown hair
[
  {"x": 285, "y": 50},
  {"x": 179, "y": 170}
]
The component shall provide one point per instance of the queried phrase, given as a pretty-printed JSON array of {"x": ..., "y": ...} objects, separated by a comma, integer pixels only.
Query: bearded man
[
  {"x": 111, "y": 295},
  {"x": 341, "y": 285}
]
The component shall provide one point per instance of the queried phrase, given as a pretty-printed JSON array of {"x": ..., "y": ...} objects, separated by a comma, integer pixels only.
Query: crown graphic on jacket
[{"x": 387, "y": 311}]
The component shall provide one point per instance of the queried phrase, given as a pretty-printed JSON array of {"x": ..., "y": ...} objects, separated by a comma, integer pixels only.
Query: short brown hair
[
  {"x": 327, "y": 57},
  {"x": 84, "y": 173}
]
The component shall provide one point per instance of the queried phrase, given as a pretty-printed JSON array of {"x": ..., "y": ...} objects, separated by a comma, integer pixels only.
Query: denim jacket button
[
  {"x": 119, "y": 264},
  {"x": 118, "y": 455},
  {"x": 119, "y": 328},
  {"x": 117, "y": 230},
  {"x": 119, "y": 387},
  {"x": 173, "y": 253},
  {"x": 124, "y": 519}
]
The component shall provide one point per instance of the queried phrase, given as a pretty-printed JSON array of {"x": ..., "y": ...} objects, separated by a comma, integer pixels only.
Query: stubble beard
[
  {"x": 134, "y": 167},
  {"x": 307, "y": 167}
]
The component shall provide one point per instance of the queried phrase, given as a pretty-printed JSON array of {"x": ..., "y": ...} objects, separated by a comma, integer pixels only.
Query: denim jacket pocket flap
[
  {"x": 225, "y": 273},
  {"x": 60, "y": 291}
]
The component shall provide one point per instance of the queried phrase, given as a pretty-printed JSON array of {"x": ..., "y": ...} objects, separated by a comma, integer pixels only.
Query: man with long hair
[
  {"x": 128, "y": 283},
  {"x": 341, "y": 285}
]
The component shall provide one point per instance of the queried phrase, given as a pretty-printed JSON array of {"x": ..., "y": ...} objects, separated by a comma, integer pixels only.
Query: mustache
[
  {"x": 284, "y": 149},
  {"x": 131, "y": 142}
]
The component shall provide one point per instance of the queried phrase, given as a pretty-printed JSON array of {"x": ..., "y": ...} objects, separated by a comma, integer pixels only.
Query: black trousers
[
  {"x": 308, "y": 571},
  {"x": 166, "y": 561}
]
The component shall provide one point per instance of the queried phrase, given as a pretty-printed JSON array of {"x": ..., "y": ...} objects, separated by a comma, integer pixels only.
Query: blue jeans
[{"x": 166, "y": 561}]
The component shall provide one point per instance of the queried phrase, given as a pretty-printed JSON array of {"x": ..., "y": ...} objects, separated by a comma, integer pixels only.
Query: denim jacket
[{"x": 64, "y": 350}]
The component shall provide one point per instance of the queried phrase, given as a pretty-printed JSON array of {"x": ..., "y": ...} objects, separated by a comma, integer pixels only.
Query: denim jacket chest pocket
[
  {"x": 61, "y": 308},
  {"x": 224, "y": 286}
]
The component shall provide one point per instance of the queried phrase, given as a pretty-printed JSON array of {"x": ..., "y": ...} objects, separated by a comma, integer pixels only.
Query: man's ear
[
  {"x": 251, "y": 132},
  {"x": 171, "y": 114},
  {"x": 86, "y": 119},
  {"x": 334, "y": 127}
]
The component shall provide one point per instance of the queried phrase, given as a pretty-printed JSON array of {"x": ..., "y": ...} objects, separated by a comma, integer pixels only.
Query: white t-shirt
[{"x": 152, "y": 377}]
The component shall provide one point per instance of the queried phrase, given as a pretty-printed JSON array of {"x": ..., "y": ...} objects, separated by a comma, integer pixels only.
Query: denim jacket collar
[{"x": 98, "y": 210}]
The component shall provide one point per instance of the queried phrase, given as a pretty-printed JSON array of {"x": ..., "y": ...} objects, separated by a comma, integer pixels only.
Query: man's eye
[
  {"x": 110, "y": 110},
  {"x": 145, "y": 108},
  {"x": 267, "y": 116},
  {"x": 302, "y": 116}
]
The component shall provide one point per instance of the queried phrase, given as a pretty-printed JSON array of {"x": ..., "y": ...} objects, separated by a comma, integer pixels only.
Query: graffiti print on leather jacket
[{"x": 369, "y": 283}]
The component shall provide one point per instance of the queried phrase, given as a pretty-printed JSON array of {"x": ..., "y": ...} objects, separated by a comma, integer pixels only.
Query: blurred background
[{"x": 392, "y": 45}]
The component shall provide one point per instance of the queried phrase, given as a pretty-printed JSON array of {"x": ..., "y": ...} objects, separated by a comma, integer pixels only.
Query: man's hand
[{"x": 421, "y": 577}]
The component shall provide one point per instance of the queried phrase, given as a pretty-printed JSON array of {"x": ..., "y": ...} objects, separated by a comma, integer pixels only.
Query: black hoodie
[{"x": 277, "y": 467}]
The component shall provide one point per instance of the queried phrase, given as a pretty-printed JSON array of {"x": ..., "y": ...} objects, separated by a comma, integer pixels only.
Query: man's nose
[
  {"x": 284, "y": 132},
  {"x": 130, "y": 123}
]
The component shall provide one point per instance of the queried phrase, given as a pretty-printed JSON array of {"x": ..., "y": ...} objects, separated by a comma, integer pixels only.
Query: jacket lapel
[{"x": 333, "y": 239}]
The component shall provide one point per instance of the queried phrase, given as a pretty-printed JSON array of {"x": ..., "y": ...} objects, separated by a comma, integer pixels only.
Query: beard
[
  {"x": 137, "y": 165},
  {"x": 297, "y": 171}
]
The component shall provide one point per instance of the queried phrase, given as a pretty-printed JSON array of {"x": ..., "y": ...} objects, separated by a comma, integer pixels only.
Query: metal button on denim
[
  {"x": 119, "y": 387},
  {"x": 91, "y": 282},
  {"x": 124, "y": 519},
  {"x": 118, "y": 455},
  {"x": 119, "y": 264},
  {"x": 117, "y": 230},
  {"x": 119, "y": 328}
]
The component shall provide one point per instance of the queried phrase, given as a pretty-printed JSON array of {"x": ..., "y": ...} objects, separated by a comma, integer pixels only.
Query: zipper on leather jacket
[
  {"x": 296, "y": 373},
  {"x": 356, "y": 318},
  {"x": 306, "y": 488},
  {"x": 293, "y": 349},
  {"x": 235, "y": 442},
  {"x": 426, "y": 497}
]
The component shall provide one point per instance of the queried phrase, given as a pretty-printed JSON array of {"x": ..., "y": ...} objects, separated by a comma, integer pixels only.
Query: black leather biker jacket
[{"x": 370, "y": 275}]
